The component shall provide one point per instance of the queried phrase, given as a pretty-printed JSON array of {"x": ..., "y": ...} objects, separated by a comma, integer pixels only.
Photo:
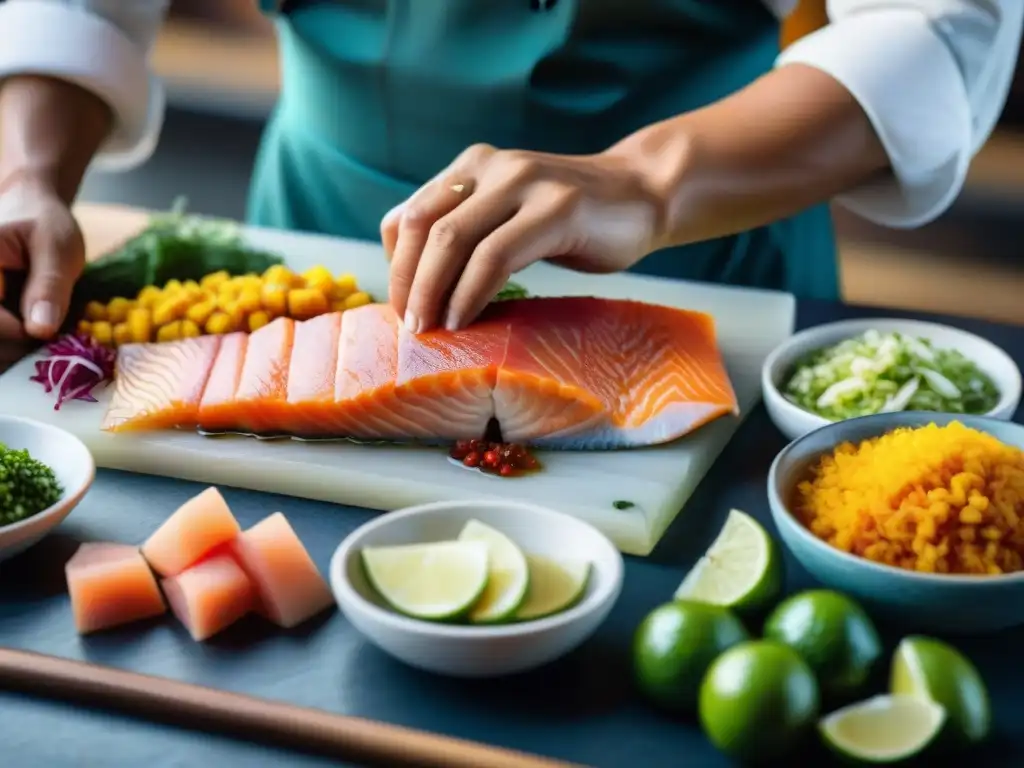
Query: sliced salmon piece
[
  {"x": 210, "y": 596},
  {"x": 594, "y": 373},
  {"x": 111, "y": 584},
  {"x": 216, "y": 408},
  {"x": 160, "y": 386},
  {"x": 391, "y": 384},
  {"x": 311, "y": 374},
  {"x": 261, "y": 400},
  {"x": 290, "y": 588},
  {"x": 198, "y": 527}
]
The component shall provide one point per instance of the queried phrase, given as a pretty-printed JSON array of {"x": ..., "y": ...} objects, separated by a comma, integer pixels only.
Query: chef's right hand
[{"x": 38, "y": 235}]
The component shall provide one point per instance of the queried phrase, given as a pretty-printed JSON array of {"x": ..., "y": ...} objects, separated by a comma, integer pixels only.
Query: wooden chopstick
[{"x": 247, "y": 717}]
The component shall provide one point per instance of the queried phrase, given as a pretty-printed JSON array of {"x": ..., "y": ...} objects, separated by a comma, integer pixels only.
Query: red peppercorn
[
  {"x": 491, "y": 459},
  {"x": 472, "y": 459},
  {"x": 506, "y": 470}
]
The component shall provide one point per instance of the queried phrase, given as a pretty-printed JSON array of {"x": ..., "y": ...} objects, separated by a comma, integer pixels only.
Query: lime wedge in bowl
[
  {"x": 884, "y": 730},
  {"x": 934, "y": 670},
  {"x": 508, "y": 579},
  {"x": 438, "y": 581},
  {"x": 555, "y": 586},
  {"x": 742, "y": 568}
]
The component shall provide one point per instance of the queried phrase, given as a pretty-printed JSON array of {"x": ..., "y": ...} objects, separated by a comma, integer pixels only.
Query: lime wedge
[
  {"x": 884, "y": 729},
  {"x": 438, "y": 581},
  {"x": 555, "y": 586},
  {"x": 742, "y": 568},
  {"x": 508, "y": 579},
  {"x": 932, "y": 669}
]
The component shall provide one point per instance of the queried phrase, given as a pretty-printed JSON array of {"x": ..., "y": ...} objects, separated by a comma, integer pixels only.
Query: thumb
[{"x": 56, "y": 258}]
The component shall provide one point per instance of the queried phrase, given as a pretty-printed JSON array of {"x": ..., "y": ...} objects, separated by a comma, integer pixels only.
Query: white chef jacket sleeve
[
  {"x": 102, "y": 46},
  {"x": 932, "y": 76}
]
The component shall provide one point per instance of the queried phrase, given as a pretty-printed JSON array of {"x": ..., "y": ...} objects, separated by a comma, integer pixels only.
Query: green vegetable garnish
[
  {"x": 511, "y": 291},
  {"x": 887, "y": 372},
  {"x": 173, "y": 246},
  {"x": 27, "y": 486},
  {"x": 623, "y": 504}
]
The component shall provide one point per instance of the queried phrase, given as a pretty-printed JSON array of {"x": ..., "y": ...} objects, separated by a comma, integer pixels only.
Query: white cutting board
[{"x": 657, "y": 481}]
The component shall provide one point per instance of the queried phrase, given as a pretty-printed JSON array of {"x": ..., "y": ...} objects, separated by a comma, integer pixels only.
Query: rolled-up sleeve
[
  {"x": 933, "y": 77},
  {"x": 102, "y": 46}
]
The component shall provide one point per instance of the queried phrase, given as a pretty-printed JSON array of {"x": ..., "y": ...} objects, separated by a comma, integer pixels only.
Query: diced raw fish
[
  {"x": 289, "y": 586},
  {"x": 111, "y": 584},
  {"x": 210, "y": 596},
  {"x": 199, "y": 526}
]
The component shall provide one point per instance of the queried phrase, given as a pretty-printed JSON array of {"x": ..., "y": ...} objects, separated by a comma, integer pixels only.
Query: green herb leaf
[{"x": 621, "y": 504}]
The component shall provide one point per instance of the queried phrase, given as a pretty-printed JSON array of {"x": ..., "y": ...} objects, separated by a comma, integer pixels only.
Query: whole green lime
[
  {"x": 673, "y": 647},
  {"x": 833, "y": 635},
  {"x": 758, "y": 702}
]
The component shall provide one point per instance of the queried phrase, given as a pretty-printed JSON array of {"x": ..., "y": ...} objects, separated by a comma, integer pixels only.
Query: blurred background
[{"x": 219, "y": 60}]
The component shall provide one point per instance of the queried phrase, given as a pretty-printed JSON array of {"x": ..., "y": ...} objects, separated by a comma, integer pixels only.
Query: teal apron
[{"x": 379, "y": 95}]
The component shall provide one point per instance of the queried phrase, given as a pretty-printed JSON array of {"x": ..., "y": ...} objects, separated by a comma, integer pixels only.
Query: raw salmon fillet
[
  {"x": 198, "y": 527},
  {"x": 109, "y": 585},
  {"x": 159, "y": 386},
  {"x": 210, "y": 596},
  {"x": 570, "y": 373},
  {"x": 288, "y": 584}
]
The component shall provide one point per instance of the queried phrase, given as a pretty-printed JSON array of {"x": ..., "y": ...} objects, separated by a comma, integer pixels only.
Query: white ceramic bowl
[
  {"x": 793, "y": 421},
  {"x": 72, "y": 464},
  {"x": 478, "y": 651}
]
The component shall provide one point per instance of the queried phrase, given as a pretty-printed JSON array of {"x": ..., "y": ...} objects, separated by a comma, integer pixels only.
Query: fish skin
[{"x": 564, "y": 373}]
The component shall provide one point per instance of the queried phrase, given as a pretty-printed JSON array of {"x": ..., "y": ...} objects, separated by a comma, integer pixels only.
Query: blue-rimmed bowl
[{"x": 919, "y": 601}]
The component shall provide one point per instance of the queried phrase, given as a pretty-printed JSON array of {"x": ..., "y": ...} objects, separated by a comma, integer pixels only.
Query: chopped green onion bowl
[{"x": 886, "y": 372}]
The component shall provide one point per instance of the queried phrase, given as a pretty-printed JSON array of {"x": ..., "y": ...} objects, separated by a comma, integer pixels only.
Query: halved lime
[
  {"x": 555, "y": 586},
  {"x": 508, "y": 579},
  {"x": 932, "y": 669},
  {"x": 742, "y": 568},
  {"x": 883, "y": 730},
  {"x": 437, "y": 581}
]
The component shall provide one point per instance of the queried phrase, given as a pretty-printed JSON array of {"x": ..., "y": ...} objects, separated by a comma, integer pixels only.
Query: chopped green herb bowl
[
  {"x": 885, "y": 365},
  {"x": 73, "y": 468}
]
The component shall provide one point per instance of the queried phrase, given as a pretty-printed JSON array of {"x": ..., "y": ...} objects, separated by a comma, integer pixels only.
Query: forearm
[
  {"x": 49, "y": 132},
  {"x": 791, "y": 139}
]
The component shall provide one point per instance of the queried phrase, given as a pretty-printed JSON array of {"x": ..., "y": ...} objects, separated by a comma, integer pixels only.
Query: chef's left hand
[{"x": 456, "y": 241}]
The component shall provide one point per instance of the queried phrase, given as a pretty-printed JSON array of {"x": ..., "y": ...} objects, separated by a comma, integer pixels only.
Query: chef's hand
[
  {"x": 456, "y": 241},
  {"x": 38, "y": 234}
]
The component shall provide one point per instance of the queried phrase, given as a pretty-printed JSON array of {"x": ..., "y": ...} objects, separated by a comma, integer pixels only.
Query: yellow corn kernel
[
  {"x": 200, "y": 313},
  {"x": 344, "y": 286},
  {"x": 189, "y": 329},
  {"x": 319, "y": 278},
  {"x": 214, "y": 280},
  {"x": 140, "y": 321},
  {"x": 358, "y": 300},
  {"x": 234, "y": 310},
  {"x": 172, "y": 286},
  {"x": 103, "y": 332},
  {"x": 279, "y": 274},
  {"x": 171, "y": 309},
  {"x": 249, "y": 282},
  {"x": 228, "y": 291},
  {"x": 122, "y": 334},
  {"x": 117, "y": 309},
  {"x": 338, "y": 305},
  {"x": 84, "y": 327},
  {"x": 219, "y": 323},
  {"x": 148, "y": 296},
  {"x": 169, "y": 332},
  {"x": 274, "y": 299},
  {"x": 249, "y": 300},
  {"x": 94, "y": 311},
  {"x": 258, "y": 319},
  {"x": 306, "y": 302},
  {"x": 192, "y": 291}
]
